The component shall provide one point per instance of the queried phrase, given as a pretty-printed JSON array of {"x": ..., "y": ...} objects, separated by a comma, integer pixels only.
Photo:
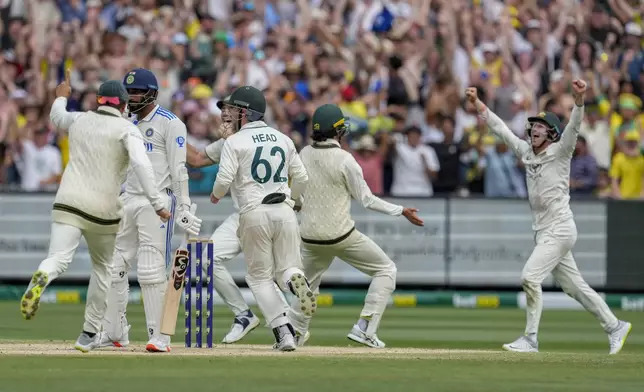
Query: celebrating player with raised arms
[
  {"x": 546, "y": 156},
  {"x": 143, "y": 237}
]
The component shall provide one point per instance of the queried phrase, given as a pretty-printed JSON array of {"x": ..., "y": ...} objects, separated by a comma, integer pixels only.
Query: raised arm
[
  {"x": 59, "y": 116},
  {"x": 570, "y": 133},
  {"x": 140, "y": 163},
  {"x": 496, "y": 125}
]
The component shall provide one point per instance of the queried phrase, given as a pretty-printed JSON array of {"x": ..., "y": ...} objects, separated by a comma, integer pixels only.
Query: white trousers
[
  {"x": 362, "y": 253},
  {"x": 63, "y": 243},
  {"x": 553, "y": 254},
  {"x": 226, "y": 247},
  {"x": 270, "y": 240}
]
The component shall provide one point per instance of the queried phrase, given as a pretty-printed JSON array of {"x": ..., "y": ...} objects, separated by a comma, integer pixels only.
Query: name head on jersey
[
  {"x": 246, "y": 104},
  {"x": 543, "y": 128},
  {"x": 329, "y": 122},
  {"x": 143, "y": 88},
  {"x": 113, "y": 94}
]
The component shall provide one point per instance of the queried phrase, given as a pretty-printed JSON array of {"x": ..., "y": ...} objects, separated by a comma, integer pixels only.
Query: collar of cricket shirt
[
  {"x": 108, "y": 110},
  {"x": 254, "y": 124},
  {"x": 150, "y": 115},
  {"x": 328, "y": 143}
]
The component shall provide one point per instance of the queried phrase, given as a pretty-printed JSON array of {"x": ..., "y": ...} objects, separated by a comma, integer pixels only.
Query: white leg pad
[{"x": 151, "y": 273}]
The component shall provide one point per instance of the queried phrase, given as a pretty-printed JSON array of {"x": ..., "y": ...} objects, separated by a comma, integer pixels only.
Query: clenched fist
[
  {"x": 471, "y": 94},
  {"x": 225, "y": 129},
  {"x": 579, "y": 91}
]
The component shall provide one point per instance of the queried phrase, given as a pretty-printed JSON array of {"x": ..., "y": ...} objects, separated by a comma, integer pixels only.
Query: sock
[{"x": 363, "y": 323}]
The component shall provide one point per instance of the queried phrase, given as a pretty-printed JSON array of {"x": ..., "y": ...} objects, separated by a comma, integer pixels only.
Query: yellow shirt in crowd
[{"x": 629, "y": 170}]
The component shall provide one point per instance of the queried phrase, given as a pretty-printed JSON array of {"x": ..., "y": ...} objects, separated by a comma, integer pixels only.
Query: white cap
[{"x": 632, "y": 28}]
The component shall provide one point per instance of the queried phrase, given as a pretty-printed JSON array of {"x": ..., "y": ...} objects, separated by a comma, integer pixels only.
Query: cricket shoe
[
  {"x": 105, "y": 340},
  {"x": 299, "y": 286},
  {"x": 31, "y": 298},
  {"x": 301, "y": 339},
  {"x": 522, "y": 345},
  {"x": 285, "y": 338},
  {"x": 159, "y": 344},
  {"x": 86, "y": 343},
  {"x": 243, "y": 324},
  {"x": 359, "y": 336},
  {"x": 617, "y": 338}
]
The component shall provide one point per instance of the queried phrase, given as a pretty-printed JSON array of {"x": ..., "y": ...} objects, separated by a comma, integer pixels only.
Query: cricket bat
[{"x": 174, "y": 290}]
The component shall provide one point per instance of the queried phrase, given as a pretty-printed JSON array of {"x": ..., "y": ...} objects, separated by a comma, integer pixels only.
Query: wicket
[{"x": 197, "y": 245}]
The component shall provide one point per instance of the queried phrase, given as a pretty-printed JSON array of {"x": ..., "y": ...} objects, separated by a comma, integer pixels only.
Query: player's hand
[
  {"x": 579, "y": 91},
  {"x": 164, "y": 214},
  {"x": 410, "y": 214},
  {"x": 213, "y": 199},
  {"x": 225, "y": 129},
  {"x": 471, "y": 94},
  {"x": 188, "y": 221},
  {"x": 64, "y": 89}
]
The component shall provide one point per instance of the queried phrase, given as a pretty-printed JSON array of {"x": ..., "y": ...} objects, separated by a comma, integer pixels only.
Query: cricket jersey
[
  {"x": 258, "y": 161},
  {"x": 334, "y": 178},
  {"x": 164, "y": 138},
  {"x": 547, "y": 173}
]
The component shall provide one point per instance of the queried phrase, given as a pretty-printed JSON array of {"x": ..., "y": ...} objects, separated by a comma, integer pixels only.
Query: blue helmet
[{"x": 143, "y": 88}]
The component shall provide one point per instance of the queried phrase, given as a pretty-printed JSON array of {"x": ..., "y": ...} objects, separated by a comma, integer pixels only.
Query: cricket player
[
  {"x": 546, "y": 156},
  {"x": 225, "y": 240},
  {"x": 87, "y": 204},
  {"x": 142, "y": 237},
  {"x": 328, "y": 230},
  {"x": 257, "y": 162}
]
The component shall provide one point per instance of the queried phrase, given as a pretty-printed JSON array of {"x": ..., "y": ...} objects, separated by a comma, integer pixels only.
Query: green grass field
[{"x": 460, "y": 352}]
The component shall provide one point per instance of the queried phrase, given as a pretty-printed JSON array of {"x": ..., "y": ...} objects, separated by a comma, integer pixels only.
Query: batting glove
[{"x": 188, "y": 221}]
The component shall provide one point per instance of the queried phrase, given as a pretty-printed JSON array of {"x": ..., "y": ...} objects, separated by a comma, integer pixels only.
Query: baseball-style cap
[{"x": 112, "y": 92}]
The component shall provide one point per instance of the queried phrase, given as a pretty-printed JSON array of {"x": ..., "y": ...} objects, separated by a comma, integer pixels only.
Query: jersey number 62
[{"x": 268, "y": 170}]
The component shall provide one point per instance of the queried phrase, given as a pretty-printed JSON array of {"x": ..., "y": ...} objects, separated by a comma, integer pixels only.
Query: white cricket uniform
[
  {"x": 548, "y": 176},
  {"x": 226, "y": 246},
  {"x": 256, "y": 163},
  {"x": 143, "y": 237},
  {"x": 87, "y": 203},
  {"x": 328, "y": 231}
]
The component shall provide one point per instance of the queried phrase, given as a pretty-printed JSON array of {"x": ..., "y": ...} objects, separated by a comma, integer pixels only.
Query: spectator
[
  {"x": 627, "y": 168},
  {"x": 38, "y": 162},
  {"x": 583, "y": 170},
  {"x": 502, "y": 177},
  {"x": 415, "y": 166},
  {"x": 448, "y": 152},
  {"x": 370, "y": 158},
  {"x": 596, "y": 132}
]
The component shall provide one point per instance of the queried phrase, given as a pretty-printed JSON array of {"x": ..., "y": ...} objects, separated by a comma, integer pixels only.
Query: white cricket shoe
[
  {"x": 522, "y": 345},
  {"x": 301, "y": 339},
  {"x": 105, "y": 340},
  {"x": 85, "y": 343},
  {"x": 242, "y": 325},
  {"x": 299, "y": 286},
  {"x": 158, "y": 344},
  {"x": 617, "y": 338},
  {"x": 359, "y": 336}
]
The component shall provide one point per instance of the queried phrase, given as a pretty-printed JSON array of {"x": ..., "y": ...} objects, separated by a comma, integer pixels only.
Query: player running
[
  {"x": 143, "y": 237},
  {"x": 547, "y": 158},
  {"x": 328, "y": 230},
  {"x": 257, "y": 162},
  {"x": 226, "y": 242},
  {"x": 87, "y": 204}
]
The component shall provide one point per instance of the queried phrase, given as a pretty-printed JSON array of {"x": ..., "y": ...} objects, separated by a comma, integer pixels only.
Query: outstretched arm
[{"x": 360, "y": 191}]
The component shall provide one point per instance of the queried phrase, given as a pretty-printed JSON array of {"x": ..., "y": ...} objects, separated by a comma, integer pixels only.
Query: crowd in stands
[{"x": 397, "y": 68}]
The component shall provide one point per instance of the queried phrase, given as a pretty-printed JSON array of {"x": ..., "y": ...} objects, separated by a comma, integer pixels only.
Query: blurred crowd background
[{"x": 397, "y": 68}]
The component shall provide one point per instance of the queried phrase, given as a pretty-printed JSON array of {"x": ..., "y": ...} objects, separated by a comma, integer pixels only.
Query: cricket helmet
[
  {"x": 328, "y": 122},
  {"x": 248, "y": 98},
  {"x": 141, "y": 82},
  {"x": 550, "y": 120}
]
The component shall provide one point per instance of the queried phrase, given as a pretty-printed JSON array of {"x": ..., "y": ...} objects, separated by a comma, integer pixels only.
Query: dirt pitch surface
[{"x": 239, "y": 350}]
